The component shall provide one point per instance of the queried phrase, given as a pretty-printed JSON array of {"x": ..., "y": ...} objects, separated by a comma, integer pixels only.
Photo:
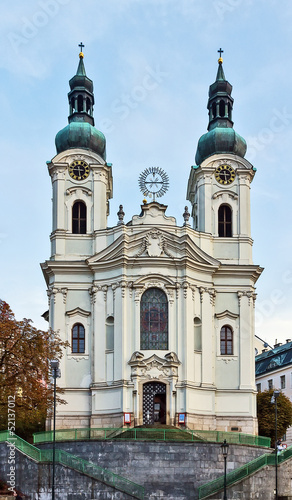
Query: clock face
[
  {"x": 153, "y": 181},
  {"x": 79, "y": 170},
  {"x": 224, "y": 174}
]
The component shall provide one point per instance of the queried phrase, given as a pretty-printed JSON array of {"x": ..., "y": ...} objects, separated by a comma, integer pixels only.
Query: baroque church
[{"x": 159, "y": 317}]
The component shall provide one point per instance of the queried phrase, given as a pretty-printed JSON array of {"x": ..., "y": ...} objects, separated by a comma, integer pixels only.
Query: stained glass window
[
  {"x": 154, "y": 320},
  {"x": 78, "y": 338},
  {"x": 226, "y": 340}
]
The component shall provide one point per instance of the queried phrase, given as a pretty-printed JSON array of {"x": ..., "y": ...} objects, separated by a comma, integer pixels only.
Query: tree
[
  {"x": 26, "y": 394},
  {"x": 266, "y": 414}
]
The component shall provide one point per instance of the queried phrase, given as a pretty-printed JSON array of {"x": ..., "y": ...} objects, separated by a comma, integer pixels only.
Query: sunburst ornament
[{"x": 153, "y": 181}]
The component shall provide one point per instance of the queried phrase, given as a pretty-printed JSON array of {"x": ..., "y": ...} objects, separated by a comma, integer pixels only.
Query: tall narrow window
[
  {"x": 198, "y": 334},
  {"x": 80, "y": 103},
  {"x": 109, "y": 328},
  {"x": 226, "y": 340},
  {"x": 154, "y": 320},
  {"x": 283, "y": 381},
  {"x": 79, "y": 218},
  {"x": 224, "y": 221},
  {"x": 229, "y": 112},
  {"x": 213, "y": 110},
  {"x": 78, "y": 338},
  {"x": 88, "y": 105},
  {"x": 222, "y": 108}
]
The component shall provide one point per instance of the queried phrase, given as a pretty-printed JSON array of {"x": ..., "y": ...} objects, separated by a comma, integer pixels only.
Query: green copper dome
[
  {"x": 80, "y": 132},
  {"x": 81, "y": 135},
  {"x": 221, "y": 136},
  {"x": 220, "y": 140}
]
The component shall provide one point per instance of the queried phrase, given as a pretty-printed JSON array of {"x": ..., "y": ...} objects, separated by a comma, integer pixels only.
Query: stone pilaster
[
  {"x": 208, "y": 341},
  {"x": 99, "y": 317},
  {"x": 246, "y": 333}
]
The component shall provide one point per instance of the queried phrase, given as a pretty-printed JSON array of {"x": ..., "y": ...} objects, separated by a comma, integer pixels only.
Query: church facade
[{"x": 159, "y": 317}]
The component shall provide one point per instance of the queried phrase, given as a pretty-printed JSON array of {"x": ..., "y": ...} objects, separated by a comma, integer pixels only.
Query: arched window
[
  {"x": 79, "y": 218},
  {"x": 109, "y": 328},
  {"x": 78, "y": 338},
  {"x": 226, "y": 340},
  {"x": 214, "y": 110},
  {"x": 80, "y": 103},
  {"x": 154, "y": 320},
  {"x": 222, "y": 108},
  {"x": 229, "y": 112},
  {"x": 88, "y": 105},
  {"x": 72, "y": 103},
  {"x": 198, "y": 334},
  {"x": 224, "y": 221}
]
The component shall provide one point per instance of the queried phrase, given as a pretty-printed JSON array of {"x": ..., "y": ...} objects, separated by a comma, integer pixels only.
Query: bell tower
[
  {"x": 81, "y": 188},
  {"x": 219, "y": 183},
  {"x": 81, "y": 177}
]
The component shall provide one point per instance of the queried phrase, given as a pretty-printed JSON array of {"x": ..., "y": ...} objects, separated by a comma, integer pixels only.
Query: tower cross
[
  {"x": 81, "y": 46},
  {"x": 220, "y": 51}
]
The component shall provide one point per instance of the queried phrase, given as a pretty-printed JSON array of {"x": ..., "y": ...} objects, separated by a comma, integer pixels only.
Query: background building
[
  {"x": 274, "y": 371},
  {"x": 159, "y": 316}
]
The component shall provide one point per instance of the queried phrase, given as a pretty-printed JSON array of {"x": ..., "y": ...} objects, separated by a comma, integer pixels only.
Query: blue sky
[{"x": 151, "y": 62}]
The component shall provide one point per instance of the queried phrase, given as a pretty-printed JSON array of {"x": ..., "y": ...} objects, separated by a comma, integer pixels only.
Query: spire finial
[
  {"x": 81, "y": 45},
  {"x": 220, "y": 60}
]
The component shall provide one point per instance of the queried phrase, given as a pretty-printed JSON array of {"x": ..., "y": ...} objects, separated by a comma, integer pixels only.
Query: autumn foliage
[
  {"x": 266, "y": 414},
  {"x": 25, "y": 354}
]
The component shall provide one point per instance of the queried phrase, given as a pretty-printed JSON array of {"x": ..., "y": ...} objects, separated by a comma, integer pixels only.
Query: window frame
[
  {"x": 224, "y": 225},
  {"x": 78, "y": 338},
  {"x": 226, "y": 342},
  {"x": 157, "y": 317},
  {"x": 283, "y": 381},
  {"x": 79, "y": 218}
]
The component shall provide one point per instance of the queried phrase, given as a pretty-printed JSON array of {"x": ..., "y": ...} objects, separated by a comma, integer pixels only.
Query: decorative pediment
[
  {"x": 154, "y": 280},
  {"x": 78, "y": 312},
  {"x": 77, "y": 189},
  {"x": 154, "y": 244},
  {"x": 231, "y": 194},
  {"x": 226, "y": 314},
  {"x": 153, "y": 213},
  {"x": 154, "y": 367}
]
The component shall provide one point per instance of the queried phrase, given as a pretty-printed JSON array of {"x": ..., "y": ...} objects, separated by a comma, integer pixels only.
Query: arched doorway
[{"x": 154, "y": 403}]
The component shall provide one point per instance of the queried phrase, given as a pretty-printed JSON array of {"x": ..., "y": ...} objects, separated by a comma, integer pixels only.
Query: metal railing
[
  {"x": 76, "y": 463},
  {"x": 245, "y": 470},
  {"x": 146, "y": 434}
]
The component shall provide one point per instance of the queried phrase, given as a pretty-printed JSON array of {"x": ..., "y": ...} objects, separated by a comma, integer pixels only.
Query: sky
[{"x": 128, "y": 43}]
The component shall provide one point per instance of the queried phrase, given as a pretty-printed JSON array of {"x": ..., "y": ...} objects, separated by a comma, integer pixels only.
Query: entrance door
[{"x": 154, "y": 403}]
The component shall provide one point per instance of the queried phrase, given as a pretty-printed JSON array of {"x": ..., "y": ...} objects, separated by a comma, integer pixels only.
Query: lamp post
[
  {"x": 55, "y": 370},
  {"x": 224, "y": 448},
  {"x": 274, "y": 401}
]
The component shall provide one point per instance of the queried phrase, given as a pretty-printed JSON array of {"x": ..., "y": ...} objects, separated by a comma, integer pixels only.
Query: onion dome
[
  {"x": 221, "y": 136},
  {"x": 80, "y": 132}
]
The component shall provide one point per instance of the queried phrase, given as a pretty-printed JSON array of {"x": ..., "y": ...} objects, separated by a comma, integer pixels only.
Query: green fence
[
  {"x": 146, "y": 434},
  {"x": 76, "y": 463},
  {"x": 242, "y": 472}
]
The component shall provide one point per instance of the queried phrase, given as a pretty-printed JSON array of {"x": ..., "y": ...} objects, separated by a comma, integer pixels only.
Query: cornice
[
  {"x": 66, "y": 157},
  {"x": 248, "y": 270}
]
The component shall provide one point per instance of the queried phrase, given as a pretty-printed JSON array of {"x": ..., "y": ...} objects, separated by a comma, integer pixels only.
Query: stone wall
[
  {"x": 35, "y": 480},
  {"x": 172, "y": 471},
  {"x": 167, "y": 470},
  {"x": 261, "y": 485}
]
